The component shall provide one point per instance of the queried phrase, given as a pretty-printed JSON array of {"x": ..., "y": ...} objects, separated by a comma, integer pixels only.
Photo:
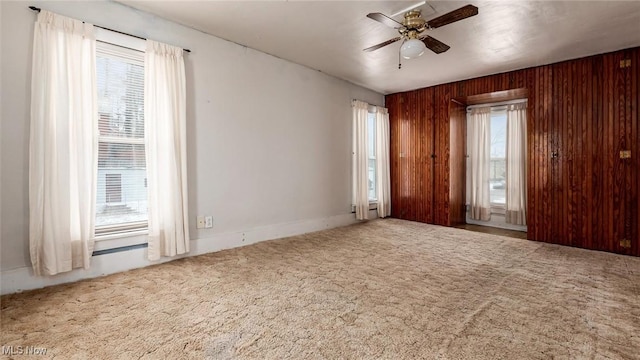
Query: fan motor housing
[{"x": 413, "y": 20}]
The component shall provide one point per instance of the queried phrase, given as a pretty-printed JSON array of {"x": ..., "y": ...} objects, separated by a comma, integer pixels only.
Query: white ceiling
[{"x": 329, "y": 35}]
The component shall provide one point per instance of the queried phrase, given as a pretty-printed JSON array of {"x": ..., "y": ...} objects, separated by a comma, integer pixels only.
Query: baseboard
[{"x": 20, "y": 279}]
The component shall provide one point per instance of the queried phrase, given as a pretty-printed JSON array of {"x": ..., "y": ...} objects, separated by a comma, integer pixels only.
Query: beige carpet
[{"x": 387, "y": 289}]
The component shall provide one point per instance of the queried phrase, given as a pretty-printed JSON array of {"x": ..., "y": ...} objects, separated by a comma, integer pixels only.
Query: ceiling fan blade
[
  {"x": 456, "y": 15},
  {"x": 384, "y": 19},
  {"x": 435, "y": 45},
  {"x": 382, "y": 44}
]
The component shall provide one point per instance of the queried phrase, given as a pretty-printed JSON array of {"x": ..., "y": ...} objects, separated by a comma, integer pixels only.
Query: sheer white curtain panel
[
  {"x": 480, "y": 152},
  {"x": 62, "y": 145},
  {"x": 382, "y": 159},
  {"x": 360, "y": 159},
  {"x": 516, "y": 164},
  {"x": 166, "y": 150}
]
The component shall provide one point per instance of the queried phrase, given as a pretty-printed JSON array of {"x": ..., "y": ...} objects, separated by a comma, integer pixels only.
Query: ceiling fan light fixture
[{"x": 412, "y": 49}]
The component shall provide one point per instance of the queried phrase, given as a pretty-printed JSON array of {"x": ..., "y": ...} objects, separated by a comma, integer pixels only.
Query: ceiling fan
[{"x": 414, "y": 43}]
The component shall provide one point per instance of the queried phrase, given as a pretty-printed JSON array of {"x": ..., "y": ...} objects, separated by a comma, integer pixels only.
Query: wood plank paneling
[
  {"x": 392, "y": 102},
  {"x": 540, "y": 162},
  {"x": 598, "y": 150},
  {"x": 629, "y": 142},
  {"x": 428, "y": 149},
  {"x": 412, "y": 144},
  {"x": 584, "y": 111},
  {"x": 559, "y": 89},
  {"x": 441, "y": 166},
  {"x": 635, "y": 151},
  {"x": 457, "y": 161},
  {"x": 410, "y": 154}
]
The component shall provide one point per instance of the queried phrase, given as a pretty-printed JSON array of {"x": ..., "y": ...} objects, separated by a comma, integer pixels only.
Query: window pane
[
  {"x": 122, "y": 184},
  {"x": 498, "y": 164},
  {"x": 120, "y": 97},
  {"x": 371, "y": 140},
  {"x": 371, "y": 135},
  {"x": 372, "y": 179}
]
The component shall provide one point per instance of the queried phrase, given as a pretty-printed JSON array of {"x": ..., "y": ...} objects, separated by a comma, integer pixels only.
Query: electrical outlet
[
  {"x": 208, "y": 222},
  {"x": 200, "y": 222}
]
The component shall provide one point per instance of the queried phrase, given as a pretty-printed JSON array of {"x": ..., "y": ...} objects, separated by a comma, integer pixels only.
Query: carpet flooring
[{"x": 386, "y": 289}]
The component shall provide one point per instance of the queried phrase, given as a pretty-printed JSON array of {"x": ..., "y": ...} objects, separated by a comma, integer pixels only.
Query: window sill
[
  {"x": 373, "y": 205},
  {"x": 499, "y": 209},
  {"x": 112, "y": 241}
]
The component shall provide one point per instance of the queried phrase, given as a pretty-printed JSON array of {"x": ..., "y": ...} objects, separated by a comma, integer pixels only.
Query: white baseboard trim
[{"x": 20, "y": 279}]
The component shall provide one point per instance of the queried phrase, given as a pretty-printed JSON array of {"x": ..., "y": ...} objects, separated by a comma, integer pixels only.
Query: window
[
  {"x": 371, "y": 147},
  {"x": 498, "y": 156},
  {"x": 121, "y": 202},
  {"x": 496, "y": 164}
]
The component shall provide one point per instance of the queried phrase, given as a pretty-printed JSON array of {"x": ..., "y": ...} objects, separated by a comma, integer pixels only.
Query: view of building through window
[
  {"x": 371, "y": 140},
  {"x": 498, "y": 155},
  {"x": 121, "y": 192}
]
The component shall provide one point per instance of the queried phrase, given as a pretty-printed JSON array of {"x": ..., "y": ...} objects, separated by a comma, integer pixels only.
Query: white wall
[{"x": 269, "y": 140}]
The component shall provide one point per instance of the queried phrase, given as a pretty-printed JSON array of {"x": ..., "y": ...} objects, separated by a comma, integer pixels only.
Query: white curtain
[
  {"x": 516, "y": 164},
  {"x": 480, "y": 151},
  {"x": 360, "y": 159},
  {"x": 166, "y": 150},
  {"x": 62, "y": 145},
  {"x": 383, "y": 180}
]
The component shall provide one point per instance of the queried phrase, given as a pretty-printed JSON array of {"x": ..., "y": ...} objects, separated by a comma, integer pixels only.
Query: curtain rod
[
  {"x": 36, "y": 9},
  {"x": 352, "y": 100},
  {"x": 374, "y": 106},
  {"x": 498, "y": 104}
]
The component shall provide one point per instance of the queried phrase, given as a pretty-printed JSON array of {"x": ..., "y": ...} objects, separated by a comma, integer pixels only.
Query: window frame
[
  {"x": 373, "y": 203},
  {"x": 112, "y": 236}
]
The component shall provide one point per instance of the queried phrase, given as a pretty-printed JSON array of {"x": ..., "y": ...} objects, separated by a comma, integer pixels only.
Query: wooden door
[
  {"x": 594, "y": 192},
  {"x": 411, "y": 150},
  {"x": 539, "y": 160}
]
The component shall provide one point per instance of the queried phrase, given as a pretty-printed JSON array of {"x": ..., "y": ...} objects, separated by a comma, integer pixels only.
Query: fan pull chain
[{"x": 399, "y": 59}]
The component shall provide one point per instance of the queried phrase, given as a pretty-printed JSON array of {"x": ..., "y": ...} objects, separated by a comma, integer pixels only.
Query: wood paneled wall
[
  {"x": 457, "y": 163},
  {"x": 585, "y": 111}
]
